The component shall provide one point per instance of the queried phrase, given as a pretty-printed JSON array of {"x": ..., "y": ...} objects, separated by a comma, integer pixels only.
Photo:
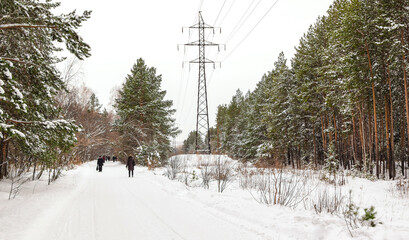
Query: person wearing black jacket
[
  {"x": 130, "y": 165},
  {"x": 100, "y": 163}
]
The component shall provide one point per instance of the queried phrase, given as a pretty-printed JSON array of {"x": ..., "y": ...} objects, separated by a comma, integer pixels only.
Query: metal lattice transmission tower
[{"x": 202, "y": 120}]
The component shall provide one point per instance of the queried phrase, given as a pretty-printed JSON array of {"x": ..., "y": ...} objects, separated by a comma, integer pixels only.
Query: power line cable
[
  {"x": 228, "y": 11},
  {"x": 240, "y": 22},
  {"x": 248, "y": 8},
  {"x": 251, "y": 31},
  {"x": 218, "y": 15},
  {"x": 183, "y": 71}
]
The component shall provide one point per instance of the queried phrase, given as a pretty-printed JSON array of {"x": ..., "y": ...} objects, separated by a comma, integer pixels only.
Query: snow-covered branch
[
  {"x": 12, "y": 59},
  {"x": 22, "y": 25}
]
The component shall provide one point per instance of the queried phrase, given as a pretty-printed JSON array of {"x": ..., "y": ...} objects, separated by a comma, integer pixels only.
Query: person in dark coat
[
  {"x": 114, "y": 158},
  {"x": 130, "y": 165},
  {"x": 100, "y": 163}
]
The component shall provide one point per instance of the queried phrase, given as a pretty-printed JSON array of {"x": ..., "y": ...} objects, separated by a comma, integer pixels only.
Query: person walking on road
[
  {"x": 130, "y": 165},
  {"x": 100, "y": 163}
]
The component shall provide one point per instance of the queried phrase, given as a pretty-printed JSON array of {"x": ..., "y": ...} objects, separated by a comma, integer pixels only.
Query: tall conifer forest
[{"x": 343, "y": 96}]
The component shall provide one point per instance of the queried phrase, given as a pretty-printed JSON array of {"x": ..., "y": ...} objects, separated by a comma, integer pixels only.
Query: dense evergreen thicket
[
  {"x": 346, "y": 92},
  {"x": 32, "y": 128}
]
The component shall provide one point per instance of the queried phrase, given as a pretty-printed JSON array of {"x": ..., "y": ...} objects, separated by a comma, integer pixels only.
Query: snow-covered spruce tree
[
  {"x": 331, "y": 165},
  {"x": 145, "y": 119},
  {"x": 29, "y": 78},
  {"x": 189, "y": 144},
  {"x": 281, "y": 114}
]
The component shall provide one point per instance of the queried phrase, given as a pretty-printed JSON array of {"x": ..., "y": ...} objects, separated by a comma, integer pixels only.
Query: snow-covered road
[
  {"x": 89, "y": 205},
  {"x": 109, "y": 205}
]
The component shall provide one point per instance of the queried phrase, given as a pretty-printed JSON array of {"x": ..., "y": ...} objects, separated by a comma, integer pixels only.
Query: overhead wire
[
  {"x": 240, "y": 22},
  {"x": 218, "y": 15},
  {"x": 184, "y": 93},
  {"x": 228, "y": 11},
  {"x": 248, "y": 34},
  {"x": 217, "y": 54}
]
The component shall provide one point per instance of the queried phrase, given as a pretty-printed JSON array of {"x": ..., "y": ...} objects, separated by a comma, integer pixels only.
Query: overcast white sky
[{"x": 122, "y": 31}]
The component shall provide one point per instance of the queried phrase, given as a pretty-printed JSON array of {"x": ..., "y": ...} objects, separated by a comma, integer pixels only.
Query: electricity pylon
[{"x": 202, "y": 119}]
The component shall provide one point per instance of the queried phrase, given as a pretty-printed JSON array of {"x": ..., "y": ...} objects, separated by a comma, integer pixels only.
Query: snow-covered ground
[{"x": 85, "y": 204}]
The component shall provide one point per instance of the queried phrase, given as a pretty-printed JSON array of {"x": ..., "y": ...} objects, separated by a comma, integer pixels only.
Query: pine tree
[
  {"x": 145, "y": 122},
  {"x": 93, "y": 104},
  {"x": 189, "y": 145},
  {"x": 29, "y": 79}
]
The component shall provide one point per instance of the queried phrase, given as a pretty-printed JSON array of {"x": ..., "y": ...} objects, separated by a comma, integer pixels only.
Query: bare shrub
[
  {"x": 174, "y": 167},
  {"x": 328, "y": 201},
  {"x": 185, "y": 176},
  {"x": 402, "y": 188},
  {"x": 351, "y": 215},
  {"x": 275, "y": 187},
  {"x": 18, "y": 178},
  {"x": 263, "y": 186},
  {"x": 205, "y": 173},
  {"x": 222, "y": 173},
  {"x": 247, "y": 176}
]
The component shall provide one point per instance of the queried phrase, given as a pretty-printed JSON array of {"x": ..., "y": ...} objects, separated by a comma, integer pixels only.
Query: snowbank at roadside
[{"x": 301, "y": 221}]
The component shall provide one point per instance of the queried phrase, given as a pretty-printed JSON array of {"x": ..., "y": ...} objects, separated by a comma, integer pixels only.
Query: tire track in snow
[
  {"x": 198, "y": 209},
  {"x": 223, "y": 216},
  {"x": 153, "y": 213}
]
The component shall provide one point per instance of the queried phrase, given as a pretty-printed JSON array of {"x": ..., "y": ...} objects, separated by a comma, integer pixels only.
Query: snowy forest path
[{"x": 110, "y": 205}]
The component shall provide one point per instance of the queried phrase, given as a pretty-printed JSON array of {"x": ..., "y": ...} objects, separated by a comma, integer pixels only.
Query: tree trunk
[
  {"x": 35, "y": 168},
  {"x": 327, "y": 126},
  {"x": 353, "y": 141},
  {"x": 324, "y": 142},
  {"x": 370, "y": 140},
  {"x": 336, "y": 139},
  {"x": 374, "y": 109},
  {"x": 363, "y": 141},
  {"x": 388, "y": 155},
  {"x": 392, "y": 140},
  {"x": 3, "y": 157},
  {"x": 315, "y": 146},
  {"x": 406, "y": 87}
]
